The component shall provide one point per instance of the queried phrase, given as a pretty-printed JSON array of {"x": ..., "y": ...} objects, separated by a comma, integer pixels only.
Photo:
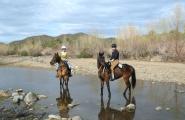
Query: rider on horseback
[
  {"x": 114, "y": 59},
  {"x": 64, "y": 56}
]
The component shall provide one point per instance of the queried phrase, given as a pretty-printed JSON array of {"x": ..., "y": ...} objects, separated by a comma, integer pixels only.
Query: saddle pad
[{"x": 120, "y": 65}]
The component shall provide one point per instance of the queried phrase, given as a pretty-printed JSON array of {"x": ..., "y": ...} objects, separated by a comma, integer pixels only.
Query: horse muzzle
[{"x": 51, "y": 63}]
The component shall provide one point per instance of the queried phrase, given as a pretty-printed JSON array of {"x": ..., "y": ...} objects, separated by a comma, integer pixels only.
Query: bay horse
[
  {"x": 126, "y": 72},
  {"x": 104, "y": 72},
  {"x": 63, "y": 71}
]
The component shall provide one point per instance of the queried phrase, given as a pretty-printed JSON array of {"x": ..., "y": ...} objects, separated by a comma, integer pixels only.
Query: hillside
[
  {"x": 50, "y": 41},
  {"x": 3, "y": 48},
  {"x": 44, "y": 44}
]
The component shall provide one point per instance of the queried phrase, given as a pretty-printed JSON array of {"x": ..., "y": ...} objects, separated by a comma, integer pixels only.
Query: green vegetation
[{"x": 85, "y": 53}]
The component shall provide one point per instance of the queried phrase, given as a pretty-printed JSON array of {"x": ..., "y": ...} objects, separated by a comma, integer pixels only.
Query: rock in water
[
  {"x": 158, "y": 108},
  {"x": 17, "y": 98},
  {"x": 42, "y": 97},
  {"x": 14, "y": 94},
  {"x": 19, "y": 90},
  {"x": 167, "y": 109},
  {"x": 54, "y": 117},
  {"x": 30, "y": 98},
  {"x": 130, "y": 107},
  {"x": 76, "y": 118},
  {"x": 180, "y": 91},
  {"x": 4, "y": 93}
]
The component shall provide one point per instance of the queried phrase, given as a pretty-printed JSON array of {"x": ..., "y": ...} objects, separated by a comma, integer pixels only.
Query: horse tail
[{"x": 133, "y": 78}]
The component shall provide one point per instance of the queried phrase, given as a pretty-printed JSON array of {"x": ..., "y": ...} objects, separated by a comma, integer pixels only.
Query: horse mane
[{"x": 100, "y": 60}]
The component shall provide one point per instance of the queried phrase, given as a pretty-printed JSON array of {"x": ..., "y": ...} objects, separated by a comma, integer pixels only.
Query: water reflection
[
  {"x": 63, "y": 102},
  {"x": 108, "y": 113}
]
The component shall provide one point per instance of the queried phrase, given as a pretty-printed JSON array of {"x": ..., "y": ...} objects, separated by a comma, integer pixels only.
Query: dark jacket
[{"x": 115, "y": 55}]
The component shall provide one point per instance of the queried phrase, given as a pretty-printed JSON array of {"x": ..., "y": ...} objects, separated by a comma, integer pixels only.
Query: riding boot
[
  {"x": 70, "y": 74},
  {"x": 112, "y": 77}
]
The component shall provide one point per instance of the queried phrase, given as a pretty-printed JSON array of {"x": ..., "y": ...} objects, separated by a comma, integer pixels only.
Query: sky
[{"x": 23, "y": 18}]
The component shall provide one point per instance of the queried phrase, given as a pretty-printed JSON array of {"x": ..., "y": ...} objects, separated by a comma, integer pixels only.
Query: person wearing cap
[
  {"x": 114, "y": 59},
  {"x": 64, "y": 56}
]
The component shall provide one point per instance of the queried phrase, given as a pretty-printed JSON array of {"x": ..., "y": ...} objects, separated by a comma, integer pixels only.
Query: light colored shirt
[{"x": 64, "y": 55}]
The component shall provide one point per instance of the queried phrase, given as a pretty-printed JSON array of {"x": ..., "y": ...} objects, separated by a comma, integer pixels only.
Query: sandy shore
[{"x": 153, "y": 71}]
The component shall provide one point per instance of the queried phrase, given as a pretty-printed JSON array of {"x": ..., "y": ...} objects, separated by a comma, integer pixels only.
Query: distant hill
[
  {"x": 1, "y": 43},
  {"x": 3, "y": 48},
  {"x": 37, "y": 44},
  {"x": 50, "y": 41}
]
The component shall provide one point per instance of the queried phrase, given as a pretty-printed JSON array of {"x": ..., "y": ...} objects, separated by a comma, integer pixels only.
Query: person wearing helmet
[
  {"x": 114, "y": 59},
  {"x": 64, "y": 56}
]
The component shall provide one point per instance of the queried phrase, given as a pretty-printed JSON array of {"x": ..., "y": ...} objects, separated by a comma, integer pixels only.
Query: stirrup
[{"x": 112, "y": 79}]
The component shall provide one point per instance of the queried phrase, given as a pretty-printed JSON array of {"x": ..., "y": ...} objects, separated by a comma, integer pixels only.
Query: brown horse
[
  {"x": 126, "y": 72},
  {"x": 108, "y": 113},
  {"x": 104, "y": 73},
  {"x": 63, "y": 71}
]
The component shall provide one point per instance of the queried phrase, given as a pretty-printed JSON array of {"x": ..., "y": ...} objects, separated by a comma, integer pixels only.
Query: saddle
[{"x": 121, "y": 65}]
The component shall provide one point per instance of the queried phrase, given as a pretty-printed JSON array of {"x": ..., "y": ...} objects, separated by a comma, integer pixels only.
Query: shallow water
[{"x": 85, "y": 91}]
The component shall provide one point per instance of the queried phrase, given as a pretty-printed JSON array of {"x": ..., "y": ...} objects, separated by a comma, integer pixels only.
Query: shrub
[
  {"x": 23, "y": 53},
  {"x": 85, "y": 53},
  {"x": 35, "y": 53},
  {"x": 11, "y": 52}
]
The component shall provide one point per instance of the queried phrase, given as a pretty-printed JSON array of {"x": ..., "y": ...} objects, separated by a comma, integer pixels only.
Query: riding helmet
[
  {"x": 63, "y": 47},
  {"x": 114, "y": 45}
]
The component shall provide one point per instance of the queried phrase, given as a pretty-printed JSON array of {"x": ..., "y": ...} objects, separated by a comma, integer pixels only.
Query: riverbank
[{"x": 150, "y": 71}]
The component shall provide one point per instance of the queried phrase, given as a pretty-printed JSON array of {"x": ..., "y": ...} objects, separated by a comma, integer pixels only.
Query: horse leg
[
  {"x": 102, "y": 85},
  {"x": 66, "y": 79},
  {"x": 129, "y": 92},
  {"x": 67, "y": 82},
  {"x": 61, "y": 84},
  {"x": 127, "y": 86},
  {"x": 124, "y": 93},
  {"x": 108, "y": 88}
]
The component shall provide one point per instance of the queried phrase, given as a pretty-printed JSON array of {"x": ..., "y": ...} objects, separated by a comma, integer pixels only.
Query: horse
[
  {"x": 104, "y": 73},
  {"x": 126, "y": 72},
  {"x": 63, "y": 71},
  {"x": 108, "y": 113}
]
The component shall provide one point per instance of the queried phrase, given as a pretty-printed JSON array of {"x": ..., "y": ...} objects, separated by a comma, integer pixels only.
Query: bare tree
[{"x": 178, "y": 24}]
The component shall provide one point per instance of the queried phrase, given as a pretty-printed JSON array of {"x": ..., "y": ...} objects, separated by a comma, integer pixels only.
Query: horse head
[
  {"x": 100, "y": 59},
  {"x": 56, "y": 59}
]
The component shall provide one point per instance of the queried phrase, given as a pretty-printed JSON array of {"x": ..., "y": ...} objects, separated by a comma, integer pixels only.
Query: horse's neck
[
  {"x": 101, "y": 68},
  {"x": 60, "y": 61},
  {"x": 100, "y": 62}
]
